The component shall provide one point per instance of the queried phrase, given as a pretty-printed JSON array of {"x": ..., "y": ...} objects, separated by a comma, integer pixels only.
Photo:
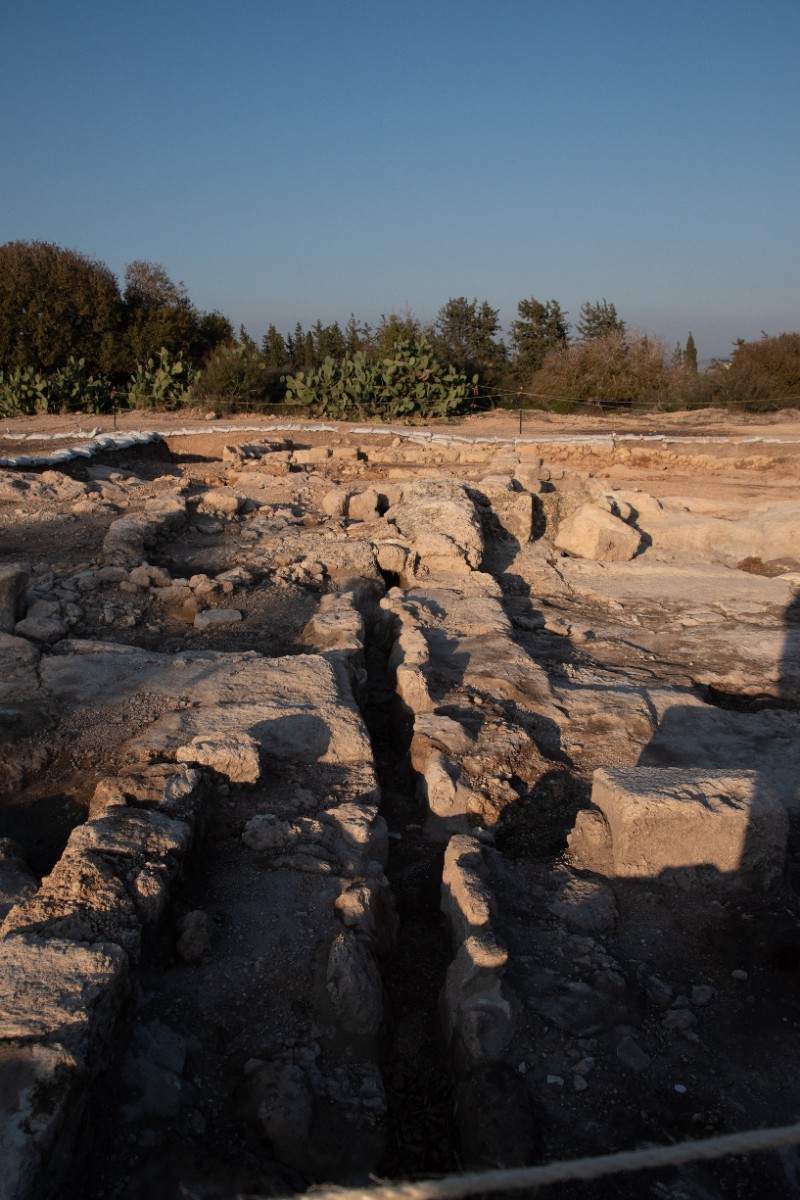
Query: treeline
[{"x": 72, "y": 339}]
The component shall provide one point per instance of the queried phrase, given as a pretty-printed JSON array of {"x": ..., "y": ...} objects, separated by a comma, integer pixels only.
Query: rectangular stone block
[
  {"x": 691, "y": 827},
  {"x": 62, "y": 993}
]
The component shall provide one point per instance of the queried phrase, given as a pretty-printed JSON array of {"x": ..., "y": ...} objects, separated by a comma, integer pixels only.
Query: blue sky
[{"x": 301, "y": 160}]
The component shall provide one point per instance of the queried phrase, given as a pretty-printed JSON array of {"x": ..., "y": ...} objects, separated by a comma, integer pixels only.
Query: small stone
[
  {"x": 680, "y": 1089},
  {"x": 556, "y": 1080},
  {"x": 702, "y": 994},
  {"x": 658, "y": 992},
  {"x": 632, "y": 1056},
  {"x": 579, "y": 1083},
  {"x": 194, "y": 941},
  {"x": 217, "y": 618},
  {"x": 679, "y": 1019},
  {"x": 739, "y": 974}
]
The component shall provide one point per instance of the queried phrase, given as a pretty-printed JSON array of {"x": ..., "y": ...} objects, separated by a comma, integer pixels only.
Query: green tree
[
  {"x": 296, "y": 343},
  {"x": 394, "y": 329},
  {"x": 598, "y": 319},
  {"x": 276, "y": 352},
  {"x": 466, "y": 335},
  {"x": 690, "y": 354},
  {"x": 357, "y": 336},
  {"x": 56, "y": 304},
  {"x": 538, "y": 328},
  {"x": 329, "y": 342},
  {"x": 160, "y": 315}
]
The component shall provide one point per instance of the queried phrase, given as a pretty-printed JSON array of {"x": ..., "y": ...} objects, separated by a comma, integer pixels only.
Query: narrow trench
[
  {"x": 420, "y": 1134},
  {"x": 208, "y": 1147}
]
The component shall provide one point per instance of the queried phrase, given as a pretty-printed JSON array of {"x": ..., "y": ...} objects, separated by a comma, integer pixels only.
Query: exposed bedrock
[{"x": 388, "y": 802}]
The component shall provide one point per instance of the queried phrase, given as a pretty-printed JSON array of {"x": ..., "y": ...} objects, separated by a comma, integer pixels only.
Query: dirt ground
[{"x": 620, "y": 653}]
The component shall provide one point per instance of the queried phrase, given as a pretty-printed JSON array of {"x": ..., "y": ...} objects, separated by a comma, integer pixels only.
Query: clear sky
[{"x": 303, "y": 159}]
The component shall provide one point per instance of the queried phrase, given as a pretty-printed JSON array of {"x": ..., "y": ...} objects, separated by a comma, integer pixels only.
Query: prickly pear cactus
[{"x": 413, "y": 381}]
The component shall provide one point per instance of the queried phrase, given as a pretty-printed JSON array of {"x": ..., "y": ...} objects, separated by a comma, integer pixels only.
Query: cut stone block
[
  {"x": 594, "y": 533},
  {"x": 690, "y": 827}
]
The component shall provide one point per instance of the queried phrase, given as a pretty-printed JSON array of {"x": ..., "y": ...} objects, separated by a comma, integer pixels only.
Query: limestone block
[
  {"x": 216, "y": 618},
  {"x": 692, "y": 827},
  {"x": 235, "y": 755},
  {"x": 169, "y": 511},
  {"x": 529, "y": 477},
  {"x": 394, "y": 557},
  {"x": 61, "y": 993},
  {"x": 364, "y": 506},
  {"x": 336, "y": 625},
  {"x": 173, "y": 789},
  {"x": 334, "y": 503},
  {"x": 362, "y": 833},
  {"x": 222, "y": 502},
  {"x": 438, "y": 518},
  {"x": 311, "y": 456},
  {"x": 481, "y": 1018},
  {"x": 127, "y": 538},
  {"x": 42, "y": 629},
  {"x": 146, "y": 576},
  {"x": 194, "y": 941},
  {"x": 466, "y": 897},
  {"x": 447, "y": 795},
  {"x": 13, "y": 587},
  {"x": 594, "y": 533},
  {"x": 354, "y": 984}
]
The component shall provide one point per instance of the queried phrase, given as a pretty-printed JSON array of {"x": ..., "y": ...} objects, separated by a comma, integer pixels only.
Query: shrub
[
  {"x": 764, "y": 374},
  {"x": 162, "y": 382},
  {"x": 22, "y": 391},
  {"x": 234, "y": 378},
  {"x": 612, "y": 369},
  {"x": 75, "y": 389},
  {"x": 412, "y": 380}
]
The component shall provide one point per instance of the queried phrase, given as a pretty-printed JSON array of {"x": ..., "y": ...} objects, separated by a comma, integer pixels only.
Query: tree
[
  {"x": 690, "y": 354},
  {"x": 598, "y": 319},
  {"x": 275, "y": 350},
  {"x": 465, "y": 334},
  {"x": 611, "y": 369},
  {"x": 56, "y": 304},
  {"x": 357, "y": 336},
  {"x": 764, "y": 372},
  {"x": 539, "y": 328},
  {"x": 246, "y": 340},
  {"x": 393, "y": 330},
  {"x": 329, "y": 342},
  {"x": 160, "y": 315},
  {"x": 297, "y": 348}
]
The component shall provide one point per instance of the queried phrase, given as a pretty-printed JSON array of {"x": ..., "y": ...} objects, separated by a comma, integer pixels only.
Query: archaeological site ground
[{"x": 383, "y": 803}]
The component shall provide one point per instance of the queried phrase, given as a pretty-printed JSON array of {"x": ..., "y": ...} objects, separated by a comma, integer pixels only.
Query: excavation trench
[
  {"x": 420, "y": 1132},
  {"x": 213, "y": 1047}
]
